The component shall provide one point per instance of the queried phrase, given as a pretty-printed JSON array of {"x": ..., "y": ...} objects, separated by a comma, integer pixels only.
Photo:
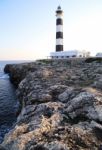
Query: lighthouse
[
  {"x": 59, "y": 52},
  {"x": 59, "y": 29}
]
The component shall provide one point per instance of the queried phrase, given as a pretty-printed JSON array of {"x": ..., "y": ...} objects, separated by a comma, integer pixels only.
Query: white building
[
  {"x": 69, "y": 54},
  {"x": 99, "y": 54}
]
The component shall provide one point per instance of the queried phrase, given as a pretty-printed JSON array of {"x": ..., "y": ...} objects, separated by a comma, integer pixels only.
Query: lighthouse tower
[
  {"x": 59, "y": 30},
  {"x": 59, "y": 53}
]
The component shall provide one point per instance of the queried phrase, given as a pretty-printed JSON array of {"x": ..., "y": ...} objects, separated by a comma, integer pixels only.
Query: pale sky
[{"x": 28, "y": 27}]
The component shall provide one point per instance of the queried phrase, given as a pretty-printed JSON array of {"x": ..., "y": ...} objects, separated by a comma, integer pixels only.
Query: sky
[{"x": 28, "y": 27}]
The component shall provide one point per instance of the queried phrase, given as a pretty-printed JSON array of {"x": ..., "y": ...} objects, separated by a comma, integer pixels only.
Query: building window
[
  {"x": 67, "y": 56},
  {"x": 73, "y": 55}
]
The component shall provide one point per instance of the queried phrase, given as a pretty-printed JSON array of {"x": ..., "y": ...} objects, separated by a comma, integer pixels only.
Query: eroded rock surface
[{"x": 61, "y": 106}]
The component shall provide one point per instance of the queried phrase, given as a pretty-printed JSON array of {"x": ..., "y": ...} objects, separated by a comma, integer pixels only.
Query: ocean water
[{"x": 8, "y": 101}]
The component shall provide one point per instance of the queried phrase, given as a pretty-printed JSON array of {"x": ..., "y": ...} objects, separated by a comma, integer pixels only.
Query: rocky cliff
[{"x": 61, "y": 105}]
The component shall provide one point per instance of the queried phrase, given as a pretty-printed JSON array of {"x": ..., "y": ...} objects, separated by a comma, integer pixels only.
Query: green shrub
[{"x": 92, "y": 59}]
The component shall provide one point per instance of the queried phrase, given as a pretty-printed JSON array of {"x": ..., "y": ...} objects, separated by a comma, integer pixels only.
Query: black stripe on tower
[
  {"x": 59, "y": 48},
  {"x": 59, "y": 12},
  {"x": 59, "y": 21},
  {"x": 59, "y": 35}
]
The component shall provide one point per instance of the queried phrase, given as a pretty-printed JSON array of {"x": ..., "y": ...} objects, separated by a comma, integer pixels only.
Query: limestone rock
[
  {"x": 98, "y": 84},
  {"x": 61, "y": 105}
]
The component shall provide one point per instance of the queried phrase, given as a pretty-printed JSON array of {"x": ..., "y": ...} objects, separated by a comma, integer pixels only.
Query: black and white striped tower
[{"x": 59, "y": 30}]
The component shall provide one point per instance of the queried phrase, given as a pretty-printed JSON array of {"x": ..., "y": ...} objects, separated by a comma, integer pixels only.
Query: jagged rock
[
  {"x": 96, "y": 125},
  {"x": 2, "y": 148},
  {"x": 39, "y": 147},
  {"x": 61, "y": 105},
  {"x": 68, "y": 94},
  {"x": 35, "y": 112},
  {"x": 83, "y": 106},
  {"x": 98, "y": 84},
  {"x": 56, "y": 146}
]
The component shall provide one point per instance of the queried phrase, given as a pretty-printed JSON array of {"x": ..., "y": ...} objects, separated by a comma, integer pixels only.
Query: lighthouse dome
[{"x": 59, "y": 7}]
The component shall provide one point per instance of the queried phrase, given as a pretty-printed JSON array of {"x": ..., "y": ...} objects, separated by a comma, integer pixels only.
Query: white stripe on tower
[
  {"x": 59, "y": 41},
  {"x": 59, "y": 30}
]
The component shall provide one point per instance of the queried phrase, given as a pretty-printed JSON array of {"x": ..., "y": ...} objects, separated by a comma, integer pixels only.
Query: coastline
[{"x": 61, "y": 105}]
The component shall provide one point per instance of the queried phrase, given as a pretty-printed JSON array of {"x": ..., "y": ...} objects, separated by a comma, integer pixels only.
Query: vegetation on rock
[{"x": 92, "y": 59}]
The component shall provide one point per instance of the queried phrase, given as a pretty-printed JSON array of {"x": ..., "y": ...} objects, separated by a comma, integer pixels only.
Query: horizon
[{"x": 28, "y": 29}]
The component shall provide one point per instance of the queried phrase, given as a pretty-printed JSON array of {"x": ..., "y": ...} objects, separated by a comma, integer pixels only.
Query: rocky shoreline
[{"x": 61, "y": 105}]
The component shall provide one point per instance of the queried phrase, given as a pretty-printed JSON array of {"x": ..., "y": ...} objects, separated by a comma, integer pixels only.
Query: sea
[{"x": 9, "y": 103}]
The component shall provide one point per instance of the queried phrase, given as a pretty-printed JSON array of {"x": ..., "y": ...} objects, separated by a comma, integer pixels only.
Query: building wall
[
  {"x": 69, "y": 54},
  {"x": 99, "y": 55}
]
